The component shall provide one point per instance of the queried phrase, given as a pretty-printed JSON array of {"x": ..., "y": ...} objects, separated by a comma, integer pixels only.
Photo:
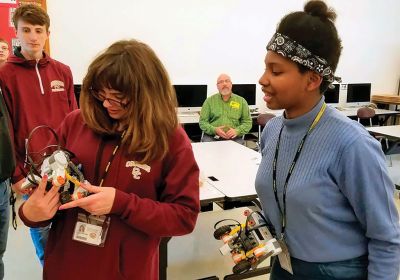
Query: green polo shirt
[{"x": 233, "y": 113}]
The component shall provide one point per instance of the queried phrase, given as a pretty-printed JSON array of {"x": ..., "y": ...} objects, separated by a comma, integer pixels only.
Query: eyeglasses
[
  {"x": 223, "y": 81},
  {"x": 102, "y": 97}
]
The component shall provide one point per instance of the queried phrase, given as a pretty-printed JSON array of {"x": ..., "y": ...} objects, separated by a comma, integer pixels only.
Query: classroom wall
[{"x": 198, "y": 39}]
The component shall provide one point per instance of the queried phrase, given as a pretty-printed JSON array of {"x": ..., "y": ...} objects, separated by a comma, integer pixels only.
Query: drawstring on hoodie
[{"x": 39, "y": 77}]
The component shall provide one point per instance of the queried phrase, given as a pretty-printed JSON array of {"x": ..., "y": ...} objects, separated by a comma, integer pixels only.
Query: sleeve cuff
[
  {"x": 17, "y": 176},
  {"x": 29, "y": 223},
  {"x": 121, "y": 202}
]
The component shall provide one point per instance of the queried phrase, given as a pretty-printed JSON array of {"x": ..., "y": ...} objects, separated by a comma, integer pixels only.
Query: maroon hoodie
[
  {"x": 152, "y": 200},
  {"x": 36, "y": 93}
]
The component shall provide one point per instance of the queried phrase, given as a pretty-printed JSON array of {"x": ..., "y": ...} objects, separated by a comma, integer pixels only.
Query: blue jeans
[
  {"x": 39, "y": 238},
  {"x": 4, "y": 220},
  {"x": 353, "y": 269}
]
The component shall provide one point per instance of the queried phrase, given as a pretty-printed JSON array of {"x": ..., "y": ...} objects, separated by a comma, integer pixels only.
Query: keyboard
[{"x": 188, "y": 114}]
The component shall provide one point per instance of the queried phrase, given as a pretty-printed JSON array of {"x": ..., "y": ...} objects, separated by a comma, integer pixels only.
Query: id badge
[
  {"x": 284, "y": 257},
  {"x": 91, "y": 229}
]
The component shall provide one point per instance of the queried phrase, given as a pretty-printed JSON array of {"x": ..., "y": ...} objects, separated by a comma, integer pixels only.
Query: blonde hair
[{"x": 132, "y": 68}]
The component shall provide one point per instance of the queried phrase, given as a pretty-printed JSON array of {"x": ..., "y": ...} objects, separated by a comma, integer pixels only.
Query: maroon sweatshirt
[
  {"x": 152, "y": 201},
  {"x": 36, "y": 93}
]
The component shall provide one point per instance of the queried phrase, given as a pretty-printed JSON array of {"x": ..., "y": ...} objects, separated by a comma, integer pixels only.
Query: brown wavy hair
[
  {"x": 31, "y": 14},
  {"x": 132, "y": 68}
]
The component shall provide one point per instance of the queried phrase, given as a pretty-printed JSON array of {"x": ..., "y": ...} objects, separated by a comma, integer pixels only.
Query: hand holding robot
[{"x": 59, "y": 170}]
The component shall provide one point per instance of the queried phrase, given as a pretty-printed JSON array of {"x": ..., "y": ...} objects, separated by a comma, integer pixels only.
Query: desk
[
  {"x": 347, "y": 111},
  {"x": 195, "y": 117},
  {"x": 234, "y": 167},
  {"x": 208, "y": 194},
  {"x": 386, "y": 99},
  {"x": 391, "y": 131},
  {"x": 351, "y": 112}
]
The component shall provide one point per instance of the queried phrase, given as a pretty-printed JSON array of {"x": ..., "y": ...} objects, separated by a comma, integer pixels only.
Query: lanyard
[
  {"x": 296, "y": 157},
  {"x": 111, "y": 159}
]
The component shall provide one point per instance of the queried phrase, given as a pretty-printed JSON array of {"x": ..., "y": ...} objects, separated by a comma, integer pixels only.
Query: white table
[
  {"x": 347, "y": 111},
  {"x": 229, "y": 167},
  {"x": 389, "y": 130},
  {"x": 208, "y": 193},
  {"x": 352, "y": 112},
  {"x": 234, "y": 167}
]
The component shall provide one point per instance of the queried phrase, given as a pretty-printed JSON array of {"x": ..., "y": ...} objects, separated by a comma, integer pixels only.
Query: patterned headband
[{"x": 289, "y": 48}]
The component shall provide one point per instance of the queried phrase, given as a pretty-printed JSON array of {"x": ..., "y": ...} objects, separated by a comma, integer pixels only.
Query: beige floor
[{"x": 193, "y": 256}]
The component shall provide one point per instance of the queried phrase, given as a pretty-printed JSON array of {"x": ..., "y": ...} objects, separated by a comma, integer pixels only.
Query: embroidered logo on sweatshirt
[
  {"x": 137, "y": 167},
  {"x": 57, "y": 86}
]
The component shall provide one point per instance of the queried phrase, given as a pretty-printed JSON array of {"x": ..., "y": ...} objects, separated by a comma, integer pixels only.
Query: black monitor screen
[
  {"x": 77, "y": 91},
  {"x": 191, "y": 95},
  {"x": 247, "y": 91},
  {"x": 332, "y": 94},
  {"x": 358, "y": 93}
]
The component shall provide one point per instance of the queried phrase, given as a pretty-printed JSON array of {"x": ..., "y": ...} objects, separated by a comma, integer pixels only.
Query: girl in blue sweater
[{"x": 323, "y": 181}]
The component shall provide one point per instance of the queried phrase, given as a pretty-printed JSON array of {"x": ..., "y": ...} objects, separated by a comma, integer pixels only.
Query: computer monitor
[
  {"x": 77, "y": 91},
  {"x": 332, "y": 95},
  {"x": 359, "y": 94},
  {"x": 190, "y": 97},
  {"x": 247, "y": 91}
]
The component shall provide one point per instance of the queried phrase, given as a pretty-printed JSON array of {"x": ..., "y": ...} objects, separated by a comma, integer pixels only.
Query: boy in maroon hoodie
[
  {"x": 139, "y": 161},
  {"x": 37, "y": 89}
]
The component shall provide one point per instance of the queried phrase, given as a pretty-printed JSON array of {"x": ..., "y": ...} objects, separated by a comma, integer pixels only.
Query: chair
[
  {"x": 262, "y": 120},
  {"x": 365, "y": 113}
]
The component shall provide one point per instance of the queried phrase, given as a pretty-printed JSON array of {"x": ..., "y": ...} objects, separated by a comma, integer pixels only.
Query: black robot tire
[
  {"x": 241, "y": 267},
  {"x": 221, "y": 231}
]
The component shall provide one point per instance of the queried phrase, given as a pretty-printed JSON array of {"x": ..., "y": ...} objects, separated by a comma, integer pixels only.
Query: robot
[
  {"x": 249, "y": 244},
  {"x": 61, "y": 172}
]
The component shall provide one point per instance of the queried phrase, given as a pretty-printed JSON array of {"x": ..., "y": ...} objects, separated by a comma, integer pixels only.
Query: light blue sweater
[{"x": 339, "y": 200}]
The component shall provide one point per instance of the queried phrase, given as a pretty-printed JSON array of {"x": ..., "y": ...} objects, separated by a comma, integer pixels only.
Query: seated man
[{"x": 225, "y": 115}]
